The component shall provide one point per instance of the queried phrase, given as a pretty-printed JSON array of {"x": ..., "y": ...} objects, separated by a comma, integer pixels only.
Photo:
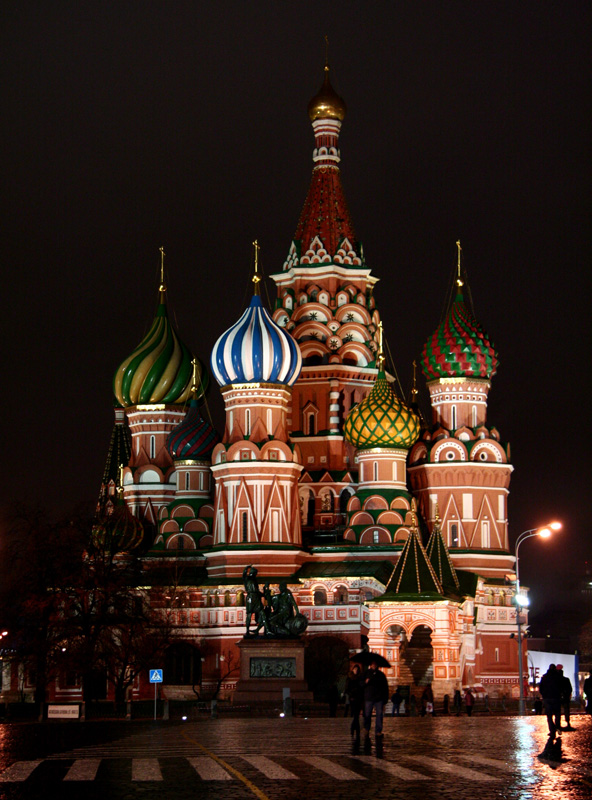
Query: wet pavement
[{"x": 284, "y": 759}]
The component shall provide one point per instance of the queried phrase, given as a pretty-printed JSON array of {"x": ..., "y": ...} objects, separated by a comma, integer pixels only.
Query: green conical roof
[
  {"x": 440, "y": 560},
  {"x": 414, "y": 577}
]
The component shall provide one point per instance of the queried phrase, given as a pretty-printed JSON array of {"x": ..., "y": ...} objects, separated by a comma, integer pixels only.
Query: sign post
[{"x": 155, "y": 678}]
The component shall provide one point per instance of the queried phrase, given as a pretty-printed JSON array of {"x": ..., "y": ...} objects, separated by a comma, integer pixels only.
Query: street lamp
[{"x": 522, "y": 601}]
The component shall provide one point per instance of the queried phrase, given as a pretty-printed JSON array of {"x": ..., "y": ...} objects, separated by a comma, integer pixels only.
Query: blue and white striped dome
[{"x": 256, "y": 350}]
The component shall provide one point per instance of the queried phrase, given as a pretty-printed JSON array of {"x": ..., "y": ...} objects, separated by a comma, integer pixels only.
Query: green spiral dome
[
  {"x": 159, "y": 370},
  {"x": 381, "y": 420}
]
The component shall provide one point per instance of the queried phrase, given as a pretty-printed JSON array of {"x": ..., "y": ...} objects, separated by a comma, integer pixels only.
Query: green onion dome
[
  {"x": 118, "y": 531},
  {"x": 381, "y": 420},
  {"x": 459, "y": 347},
  {"x": 159, "y": 370}
]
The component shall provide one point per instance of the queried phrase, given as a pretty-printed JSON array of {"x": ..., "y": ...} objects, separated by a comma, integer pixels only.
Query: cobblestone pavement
[{"x": 285, "y": 759}]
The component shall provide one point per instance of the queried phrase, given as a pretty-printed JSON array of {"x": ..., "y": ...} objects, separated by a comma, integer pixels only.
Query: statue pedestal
[{"x": 268, "y": 666}]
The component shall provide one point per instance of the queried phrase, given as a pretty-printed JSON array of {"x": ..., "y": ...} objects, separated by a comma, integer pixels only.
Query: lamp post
[{"x": 522, "y": 601}]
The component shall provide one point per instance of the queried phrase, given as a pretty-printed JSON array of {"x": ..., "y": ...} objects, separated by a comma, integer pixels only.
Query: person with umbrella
[{"x": 376, "y": 693}]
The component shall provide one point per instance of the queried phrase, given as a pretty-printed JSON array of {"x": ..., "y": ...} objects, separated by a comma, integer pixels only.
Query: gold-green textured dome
[
  {"x": 381, "y": 420},
  {"x": 326, "y": 104}
]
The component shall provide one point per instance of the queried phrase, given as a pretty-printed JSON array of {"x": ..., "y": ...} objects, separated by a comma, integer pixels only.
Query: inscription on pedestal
[{"x": 272, "y": 668}]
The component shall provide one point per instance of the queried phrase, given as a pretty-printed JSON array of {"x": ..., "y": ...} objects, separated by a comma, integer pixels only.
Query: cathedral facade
[{"x": 386, "y": 527}]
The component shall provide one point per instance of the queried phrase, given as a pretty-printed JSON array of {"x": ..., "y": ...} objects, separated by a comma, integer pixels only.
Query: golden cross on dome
[
  {"x": 162, "y": 287},
  {"x": 256, "y": 277},
  {"x": 194, "y": 386},
  {"x": 120, "y": 487},
  {"x": 380, "y": 358},
  {"x": 459, "y": 281},
  {"x": 414, "y": 387},
  {"x": 326, "y": 54}
]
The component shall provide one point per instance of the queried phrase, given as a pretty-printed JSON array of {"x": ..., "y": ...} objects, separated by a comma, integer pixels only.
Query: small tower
[
  {"x": 382, "y": 429},
  {"x": 256, "y": 469},
  {"x": 325, "y": 300},
  {"x": 119, "y": 453},
  {"x": 153, "y": 384},
  {"x": 187, "y": 522},
  {"x": 460, "y": 464}
]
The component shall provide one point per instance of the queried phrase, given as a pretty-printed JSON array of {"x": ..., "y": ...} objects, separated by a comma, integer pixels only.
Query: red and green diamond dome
[
  {"x": 193, "y": 437},
  {"x": 459, "y": 347}
]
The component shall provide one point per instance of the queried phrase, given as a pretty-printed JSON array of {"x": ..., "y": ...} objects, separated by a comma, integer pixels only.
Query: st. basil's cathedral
[{"x": 389, "y": 530}]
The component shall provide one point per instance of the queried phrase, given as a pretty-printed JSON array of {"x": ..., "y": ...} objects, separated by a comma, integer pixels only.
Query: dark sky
[{"x": 131, "y": 125}]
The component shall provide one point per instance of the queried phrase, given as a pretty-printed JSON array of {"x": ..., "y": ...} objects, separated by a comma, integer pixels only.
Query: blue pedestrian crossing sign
[{"x": 155, "y": 676}]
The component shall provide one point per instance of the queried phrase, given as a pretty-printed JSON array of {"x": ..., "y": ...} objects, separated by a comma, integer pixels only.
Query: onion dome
[
  {"x": 159, "y": 369},
  {"x": 381, "y": 420},
  {"x": 193, "y": 437},
  {"x": 326, "y": 104},
  {"x": 256, "y": 350},
  {"x": 459, "y": 347},
  {"x": 118, "y": 531}
]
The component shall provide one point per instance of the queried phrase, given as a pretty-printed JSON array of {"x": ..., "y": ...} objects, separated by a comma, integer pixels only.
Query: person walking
[
  {"x": 469, "y": 701},
  {"x": 355, "y": 692},
  {"x": 376, "y": 695},
  {"x": 427, "y": 701},
  {"x": 550, "y": 689},
  {"x": 457, "y": 702},
  {"x": 587, "y": 687},
  {"x": 566, "y": 692},
  {"x": 396, "y": 701}
]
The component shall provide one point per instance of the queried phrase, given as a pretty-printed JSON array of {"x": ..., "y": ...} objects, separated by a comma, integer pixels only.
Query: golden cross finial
[
  {"x": 162, "y": 287},
  {"x": 256, "y": 277},
  {"x": 120, "y": 487},
  {"x": 326, "y": 54},
  {"x": 414, "y": 387},
  {"x": 437, "y": 515},
  {"x": 194, "y": 386},
  {"x": 380, "y": 358},
  {"x": 458, "y": 278}
]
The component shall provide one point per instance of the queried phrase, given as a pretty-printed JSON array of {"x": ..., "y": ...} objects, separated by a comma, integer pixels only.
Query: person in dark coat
[
  {"x": 355, "y": 691},
  {"x": 566, "y": 692},
  {"x": 376, "y": 693},
  {"x": 457, "y": 702},
  {"x": 469, "y": 701},
  {"x": 396, "y": 700},
  {"x": 550, "y": 689}
]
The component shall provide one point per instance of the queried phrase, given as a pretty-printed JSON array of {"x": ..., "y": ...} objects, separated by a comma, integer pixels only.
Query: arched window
[
  {"x": 311, "y": 425},
  {"x": 247, "y": 422},
  {"x": 320, "y": 597},
  {"x": 485, "y": 534},
  {"x": 186, "y": 481},
  {"x": 152, "y": 446},
  {"x": 375, "y": 537},
  {"x": 341, "y": 596},
  {"x": 454, "y": 535}
]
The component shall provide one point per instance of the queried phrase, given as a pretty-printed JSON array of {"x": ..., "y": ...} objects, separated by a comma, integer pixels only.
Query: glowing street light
[{"x": 522, "y": 601}]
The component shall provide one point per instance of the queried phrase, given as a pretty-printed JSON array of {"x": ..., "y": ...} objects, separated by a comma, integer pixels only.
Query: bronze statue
[
  {"x": 255, "y": 601},
  {"x": 277, "y": 614}
]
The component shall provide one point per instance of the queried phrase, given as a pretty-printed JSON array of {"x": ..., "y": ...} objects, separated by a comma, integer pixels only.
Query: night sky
[{"x": 131, "y": 125}]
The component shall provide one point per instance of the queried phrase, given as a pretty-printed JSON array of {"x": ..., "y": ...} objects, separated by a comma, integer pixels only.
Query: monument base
[{"x": 268, "y": 666}]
